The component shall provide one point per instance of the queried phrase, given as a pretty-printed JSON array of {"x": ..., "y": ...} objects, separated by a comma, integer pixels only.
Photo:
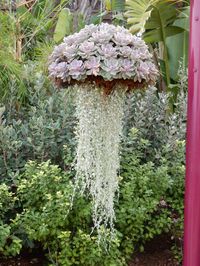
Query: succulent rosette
[{"x": 102, "y": 51}]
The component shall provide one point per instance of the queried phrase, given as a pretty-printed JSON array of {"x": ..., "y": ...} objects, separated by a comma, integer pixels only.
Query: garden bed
[
  {"x": 23, "y": 261},
  {"x": 157, "y": 253}
]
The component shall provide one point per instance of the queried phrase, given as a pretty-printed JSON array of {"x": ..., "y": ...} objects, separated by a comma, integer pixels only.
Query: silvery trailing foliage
[
  {"x": 102, "y": 50},
  {"x": 98, "y": 137}
]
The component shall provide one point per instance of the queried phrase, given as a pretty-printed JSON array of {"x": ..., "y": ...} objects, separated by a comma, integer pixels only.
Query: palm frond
[{"x": 138, "y": 12}]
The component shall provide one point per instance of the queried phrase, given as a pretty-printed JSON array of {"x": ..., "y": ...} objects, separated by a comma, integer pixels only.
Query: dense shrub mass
[{"x": 35, "y": 195}]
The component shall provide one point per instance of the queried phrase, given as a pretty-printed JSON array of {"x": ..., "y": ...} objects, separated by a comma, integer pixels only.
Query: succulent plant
[{"x": 104, "y": 50}]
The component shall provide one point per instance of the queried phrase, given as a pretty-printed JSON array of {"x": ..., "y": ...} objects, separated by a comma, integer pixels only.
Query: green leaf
[
  {"x": 138, "y": 12},
  {"x": 64, "y": 25},
  {"x": 115, "y": 5},
  {"x": 159, "y": 24},
  {"x": 156, "y": 35},
  {"x": 81, "y": 22},
  {"x": 178, "y": 45}
]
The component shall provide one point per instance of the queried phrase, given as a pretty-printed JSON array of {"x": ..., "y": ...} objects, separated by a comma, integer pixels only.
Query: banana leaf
[{"x": 178, "y": 45}]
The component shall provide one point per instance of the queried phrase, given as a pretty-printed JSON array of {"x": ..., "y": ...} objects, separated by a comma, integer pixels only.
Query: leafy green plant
[
  {"x": 150, "y": 197},
  {"x": 10, "y": 68},
  {"x": 64, "y": 25},
  {"x": 177, "y": 45},
  {"x": 24, "y": 28},
  {"x": 10, "y": 244},
  {"x": 149, "y": 114},
  {"x": 140, "y": 215},
  {"x": 45, "y": 191},
  {"x": 138, "y": 12},
  {"x": 38, "y": 131},
  {"x": 157, "y": 20}
]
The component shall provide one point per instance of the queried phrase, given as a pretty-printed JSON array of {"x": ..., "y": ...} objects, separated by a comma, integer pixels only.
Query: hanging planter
[{"x": 102, "y": 63}]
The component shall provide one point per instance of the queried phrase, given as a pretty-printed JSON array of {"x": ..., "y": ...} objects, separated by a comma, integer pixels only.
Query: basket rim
[{"x": 99, "y": 81}]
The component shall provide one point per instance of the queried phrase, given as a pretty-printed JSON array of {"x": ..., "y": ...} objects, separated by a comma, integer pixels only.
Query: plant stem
[
  {"x": 166, "y": 59},
  {"x": 165, "y": 52}
]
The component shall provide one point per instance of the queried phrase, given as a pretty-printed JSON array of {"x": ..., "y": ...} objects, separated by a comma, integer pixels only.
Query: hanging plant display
[{"x": 101, "y": 63}]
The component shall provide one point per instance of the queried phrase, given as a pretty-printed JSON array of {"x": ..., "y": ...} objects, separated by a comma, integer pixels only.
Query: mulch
[{"x": 24, "y": 260}]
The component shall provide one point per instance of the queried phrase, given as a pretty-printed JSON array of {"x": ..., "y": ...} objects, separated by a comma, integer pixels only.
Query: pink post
[{"x": 192, "y": 193}]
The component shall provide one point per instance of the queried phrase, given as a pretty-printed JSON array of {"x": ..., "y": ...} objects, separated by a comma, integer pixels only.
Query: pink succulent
[
  {"x": 122, "y": 38},
  {"x": 125, "y": 51},
  {"x": 111, "y": 66},
  {"x": 142, "y": 71},
  {"x": 70, "y": 52},
  {"x": 103, "y": 50},
  {"x": 58, "y": 70},
  {"x": 108, "y": 50},
  {"x": 57, "y": 52},
  {"x": 127, "y": 68},
  {"x": 76, "y": 68},
  {"x": 86, "y": 48},
  {"x": 92, "y": 65},
  {"x": 101, "y": 36}
]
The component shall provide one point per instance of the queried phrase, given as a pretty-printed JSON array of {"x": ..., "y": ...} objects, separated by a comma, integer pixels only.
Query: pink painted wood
[{"x": 192, "y": 192}]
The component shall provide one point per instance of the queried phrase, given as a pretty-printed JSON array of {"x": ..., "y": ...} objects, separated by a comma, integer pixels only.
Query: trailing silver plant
[{"x": 98, "y": 136}]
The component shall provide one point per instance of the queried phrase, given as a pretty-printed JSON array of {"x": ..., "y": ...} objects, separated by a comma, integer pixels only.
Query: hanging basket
[
  {"x": 106, "y": 85},
  {"x": 101, "y": 60}
]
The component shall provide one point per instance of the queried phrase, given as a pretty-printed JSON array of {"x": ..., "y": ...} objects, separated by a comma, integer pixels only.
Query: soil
[
  {"x": 25, "y": 259},
  {"x": 157, "y": 253}
]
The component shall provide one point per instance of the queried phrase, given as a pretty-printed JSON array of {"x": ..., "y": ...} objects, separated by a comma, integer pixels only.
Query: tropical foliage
[{"x": 161, "y": 22}]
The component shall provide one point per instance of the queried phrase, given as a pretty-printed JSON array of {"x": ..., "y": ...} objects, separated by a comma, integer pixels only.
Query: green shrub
[
  {"x": 10, "y": 244},
  {"x": 150, "y": 194},
  {"x": 148, "y": 113},
  {"x": 37, "y": 131},
  {"x": 45, "y": 191}
]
